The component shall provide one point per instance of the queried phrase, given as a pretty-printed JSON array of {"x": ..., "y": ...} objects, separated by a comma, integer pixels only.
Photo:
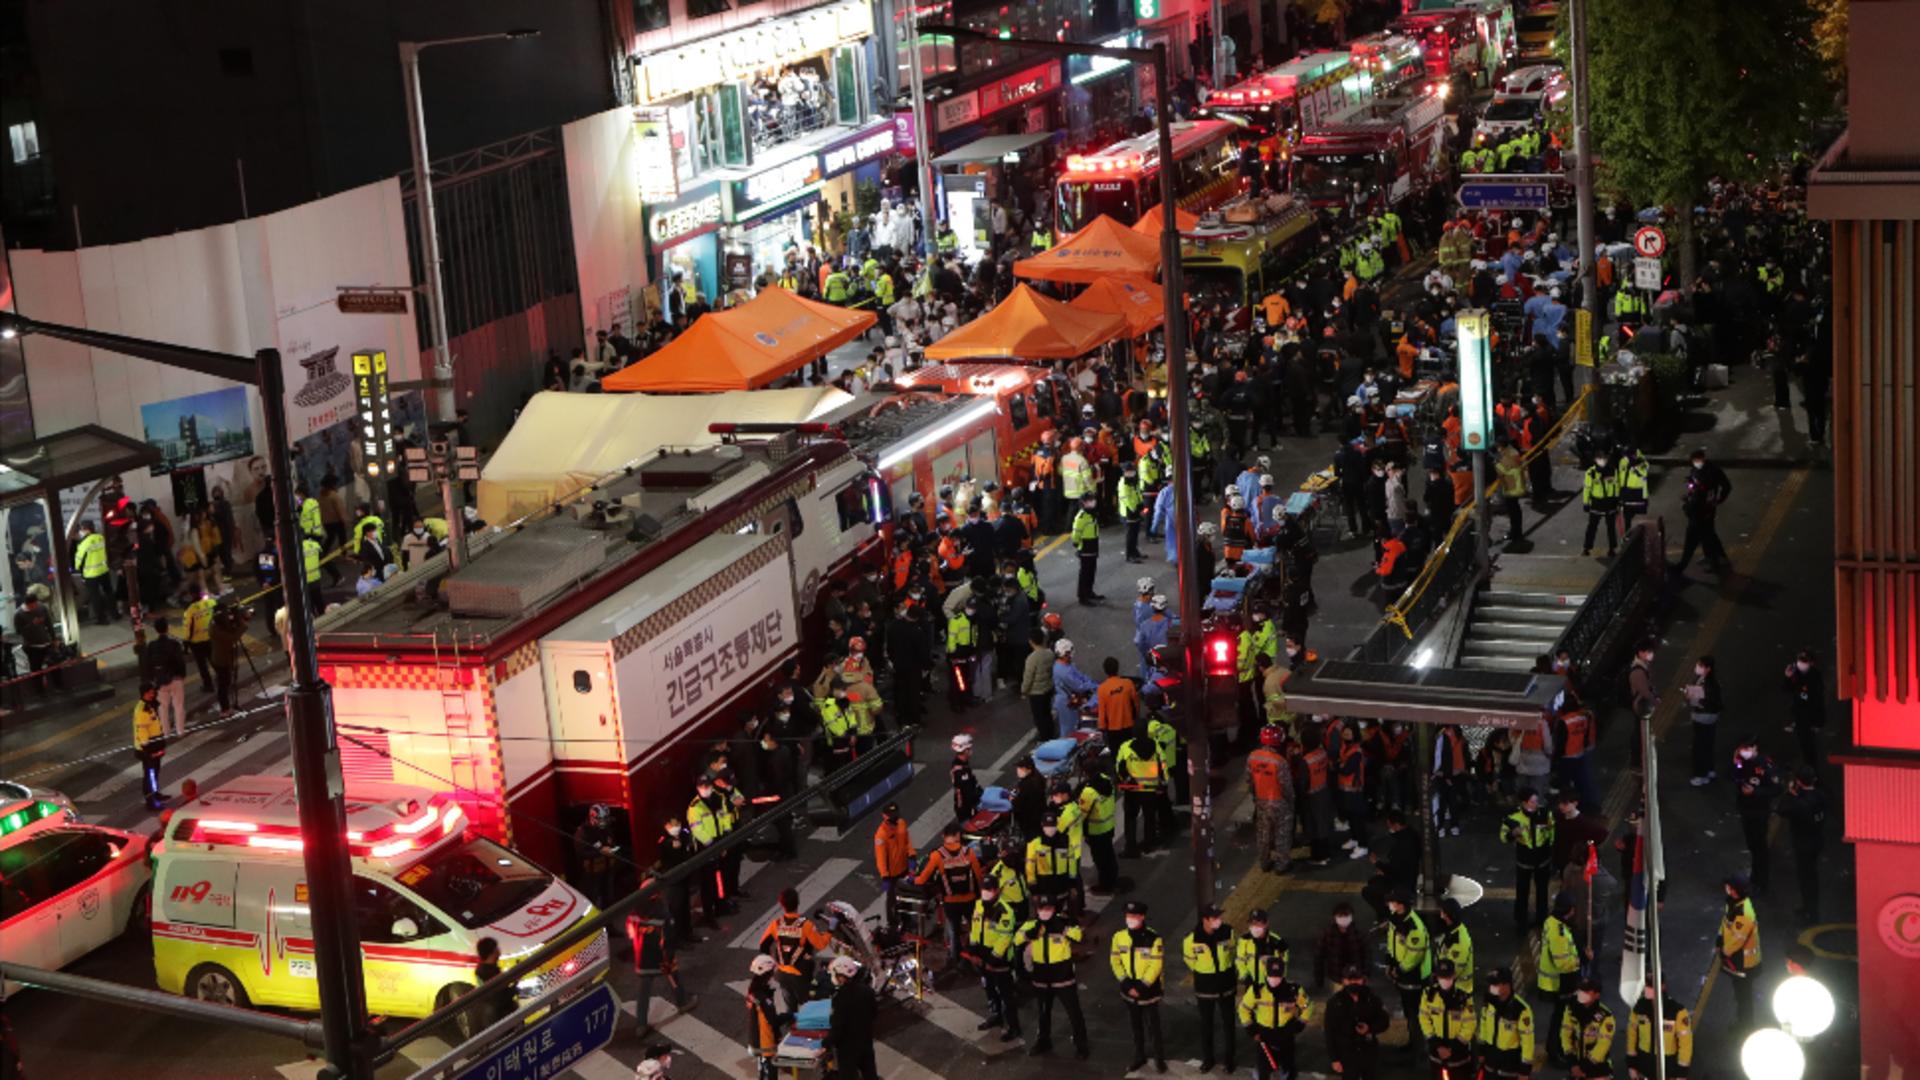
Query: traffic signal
[{"x": 1220, "y": 650}]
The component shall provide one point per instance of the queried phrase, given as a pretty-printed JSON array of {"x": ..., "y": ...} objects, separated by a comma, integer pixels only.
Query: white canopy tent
[{"x": 563, "y": 442}]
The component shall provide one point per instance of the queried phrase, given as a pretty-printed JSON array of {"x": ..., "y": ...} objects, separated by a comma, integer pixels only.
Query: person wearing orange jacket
[
  {"x": 892, "y": 851},
  {"x": 959, "y": 873},
  {"x": 792, "y": 940},
  {"x": 1119, "y": 702}
]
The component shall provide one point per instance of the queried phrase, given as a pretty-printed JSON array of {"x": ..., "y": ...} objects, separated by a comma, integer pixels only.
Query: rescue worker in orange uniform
[
  {"x": 792, "y": 939},
  {"x": 959, "y": 872},
  {"x": 1272, "y": 783}
]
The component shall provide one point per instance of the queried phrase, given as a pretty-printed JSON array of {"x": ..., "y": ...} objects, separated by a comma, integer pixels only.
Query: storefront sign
[
  {"x": 869, "y": 144},
  {"x": 1015, "y": 89},
  {"x": 376, "y": 413},
  {"x": 653, "y": 155},
  {"x": 1146, "y": 10},
  {"x": 773, "y": 186},
  {"x": 1899, "y": 925},
  {"x": 903, "y": 132},
  {"x": 1476, "y": 382},
  {"x": 1096, "y": 66},
  {"x": 955, "y": 111},
  {"x": 676, "y": 222},
  {"x": 738, "y": 55}
]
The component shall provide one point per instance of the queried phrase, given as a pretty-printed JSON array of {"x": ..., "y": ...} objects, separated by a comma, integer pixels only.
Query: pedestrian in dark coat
[
  {"x": 1341, "y": 946},
  {"x": 1355, "y": 1019},
  {"x": 850, "y": 1036}
]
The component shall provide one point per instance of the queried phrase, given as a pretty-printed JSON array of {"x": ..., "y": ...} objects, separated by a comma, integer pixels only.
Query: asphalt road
[{"x": 1778, "y": 599}]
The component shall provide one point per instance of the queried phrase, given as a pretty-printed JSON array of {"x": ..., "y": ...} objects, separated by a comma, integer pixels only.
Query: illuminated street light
[
  {"x": 1772, "y": 1054},
  {"x": 1803, "y": 1006}
]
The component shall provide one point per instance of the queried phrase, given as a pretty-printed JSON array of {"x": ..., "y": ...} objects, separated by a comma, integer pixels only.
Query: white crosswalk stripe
[
  {"x": 962, "y": 1023},
  {"x": 701, "y": 1040},
  {"x": 601, "y": 1065},
  {"x": 814, "y": 888},
  {"x": 130, "y": 774}
]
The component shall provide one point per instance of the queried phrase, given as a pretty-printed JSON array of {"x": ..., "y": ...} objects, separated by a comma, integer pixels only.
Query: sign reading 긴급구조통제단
[{"x": 712, "y": 651}]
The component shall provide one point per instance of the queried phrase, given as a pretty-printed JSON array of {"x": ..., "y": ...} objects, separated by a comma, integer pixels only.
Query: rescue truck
[
  {"x": 1449, "y": 42},
  {"x": 594, "y": 653},
  {"x": 1535, "y": 30},
  {"x": 1392, "y": 61},
  {"x": 1236, "y": 256},
  {"x": 1030, "y": 403},
  {"x": 1372, "y": 156},
  {"x": 1493, "y": 28},
  {"x": 231, "y": 923},
  {"x": 1123, "y": 180},
  {"x": 1297, "y": 95}
]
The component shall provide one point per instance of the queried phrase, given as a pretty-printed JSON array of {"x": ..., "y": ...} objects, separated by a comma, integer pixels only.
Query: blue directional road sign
[
  {"x": 1503, "y": 193},
  {"x": 546, "y": 1050}
]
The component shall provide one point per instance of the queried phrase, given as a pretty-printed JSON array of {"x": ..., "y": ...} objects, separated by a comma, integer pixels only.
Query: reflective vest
[
  {"x": 1266, "y": 771},
  {"x": 835, "y": 719},
  {"x": 310, "y": 522},
  {"x": 703, "y": 822},
  {"x": 199, "y": 620},
  {"x": 1098, "y": 810},
  {"x": 794, "y": 940},
  {"x": 1579, "y": 726},
  {"x": 1048, "y": 948},
  {"x": 1456, "y": 944},
  {"x": 1138, "y": 958},
  {"x": 1267, "y": 640},
  {"x": 359, "y": 529},
  {"x": 1407, "y": 947},
  {"x": 310, "y": 549},
  {"x": 946, "y": 242},
  {"x": 1210, "y": 958},
  {"x": 1012, "y": 889},
  {"x": 1149, "y": 464},
  {"x": 1051, "y": 857},
  {"x": 1138, "y": 773},
  {"x": 1633, "y": 477},
  {"x": 1740, "y": 938},
  {"x": 1532, "y": 840},
  {"x": 1316, "y": 760},
  {"x": 1029, "y": 584},
  {"x": 1283, "y": 1009},
  {"x": 1448, "y": 1015},
  {"x": 1586, "y": 1033},
  {"x": 1076, "y": 476},
  {"x": 1042, "y": 239},
  {"x": 1128, "y": 497},
  {"x": 146, "y": 724},
  {"x": 91, "y": 554},
  {"x": 960, "y": 636},
  {"x": 1627, "y": 302},
  {"x": 1676, "y": 1032},
  {"x": 1243, "y": 656},
  {"x": 1166, "y": 740},
  {"x": 836, "y": 290},
  {"x": 1558, "y": 955},
  {"x": 1353, "y": 768},
  {"x": 1250, "y": 955},
  {"x": 1600, "y": 489},
  {"x": 994, "y": 925},
  {"x": 1506, "y": 1032},
  {"x": 1086, "y": 530}
]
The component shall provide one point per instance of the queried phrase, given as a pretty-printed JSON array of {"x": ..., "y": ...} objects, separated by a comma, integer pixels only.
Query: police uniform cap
[
  {"x": 1050, "y": 818},
  {"x": 1443, "y": 969},
  {"x": 1136, "y": 907},
  {"x": 1212, "y": 911},
  {"x": 1276, "y": 966},
  {"x": 1590, "y": 985},
  {"x": 1500, "y": 977}
]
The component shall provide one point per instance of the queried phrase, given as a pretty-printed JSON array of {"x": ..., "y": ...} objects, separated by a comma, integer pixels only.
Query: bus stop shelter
[{"x": 35, "y": 473}]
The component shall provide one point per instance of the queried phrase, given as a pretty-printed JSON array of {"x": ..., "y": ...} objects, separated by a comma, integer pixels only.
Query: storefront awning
[
  {"x": 991, "y": 148},
  {"x": 43, "y": 467}
]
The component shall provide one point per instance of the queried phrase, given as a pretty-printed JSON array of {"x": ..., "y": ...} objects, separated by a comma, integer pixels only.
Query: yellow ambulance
[{"x": 230, "y": 915}]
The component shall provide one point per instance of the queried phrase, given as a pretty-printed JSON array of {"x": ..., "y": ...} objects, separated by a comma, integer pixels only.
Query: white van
[{"x": 230, "y": 916}]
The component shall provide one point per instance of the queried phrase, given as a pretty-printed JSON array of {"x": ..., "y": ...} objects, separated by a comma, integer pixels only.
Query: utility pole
[
  {"x": 922, "y": 132},
  {"x": 1653, "y": 861},
  {"x": 1583, "y": 181},
  {"x": 1219, "y": 47}
]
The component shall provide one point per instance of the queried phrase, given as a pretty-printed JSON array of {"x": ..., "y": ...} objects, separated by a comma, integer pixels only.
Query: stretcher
[
  {"x": 803, "y": 1046},
  {"x": 993, "y": 821}
]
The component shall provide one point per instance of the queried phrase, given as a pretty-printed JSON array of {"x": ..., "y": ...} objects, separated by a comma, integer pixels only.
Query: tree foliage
[
  {"x": 1830, "y": 35},
  {"x": 1685, "y": 90}
]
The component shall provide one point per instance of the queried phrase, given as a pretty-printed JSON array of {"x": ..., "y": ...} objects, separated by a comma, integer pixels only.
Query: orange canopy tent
[
  {"x": 1029, "y": 326},
  {"x": 1135, "y": 299},
  {"x": 1150, "y": 222},
  {"x": 746, "y": 347},
  {"x": 1103, "y": 248}
]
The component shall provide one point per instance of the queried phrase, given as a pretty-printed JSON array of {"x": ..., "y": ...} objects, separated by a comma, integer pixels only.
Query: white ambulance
[{"x": 230, "y": 916}]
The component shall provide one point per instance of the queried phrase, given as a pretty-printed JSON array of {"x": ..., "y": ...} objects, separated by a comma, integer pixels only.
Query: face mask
[
  {"x": 1588, "y": 999},
  {"x": 1343, "y": 921},
  {"x": 673, "y": 830},
  {"x": 1049, "y": 831},
  {"x": 1257, "y": 931},
  {"x": 421, "y": 531},
  {"x": 1045, "y": 913},
  {"x": 1275, "y": 981},
  {"x": 1135, "y": 923},
  {"x": 1802, "y": 664},
  {"x": 1746, "y": 754}
]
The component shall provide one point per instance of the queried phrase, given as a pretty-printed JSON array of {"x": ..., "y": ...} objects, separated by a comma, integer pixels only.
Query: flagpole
[
  {"x": 1652, "y": 826},
  {"x": 1593, "y": 859}
]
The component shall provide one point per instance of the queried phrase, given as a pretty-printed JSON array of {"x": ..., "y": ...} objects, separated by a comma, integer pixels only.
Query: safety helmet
[
  {"x": 1063, "y": 647},
  {"x": 1051, "y": 620},
  {"x": 1266, "y": 479},
  {"x": 761, "y": 964},
  {"x": 600, "y": 813},
  {"x": 648, "y": 1070},
  {"x": 1207, "y": 528},
  {"x": 1237, "y": 502},
  {"x": 1264, "y": 462},
  {"x": 1159, "y": 601},
  {"x": 857, "y": 643},
  {"x": 1086, "y": 410},
  {"x": 846, "y": 967},
  {"x": 1271, "y": 735},
  {"x": 962, "y": 743},
  {"x": 1280, "y": 514},
  {"x": 1145, "y": 584},
  {"x": 1158, "y": 654}
]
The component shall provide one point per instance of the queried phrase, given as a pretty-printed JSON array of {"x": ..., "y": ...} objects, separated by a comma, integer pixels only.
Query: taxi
[
  {"x": 231, "y": 920},
  {"x": 65, "y": 888},
  {"x": 24, "y": 809}
]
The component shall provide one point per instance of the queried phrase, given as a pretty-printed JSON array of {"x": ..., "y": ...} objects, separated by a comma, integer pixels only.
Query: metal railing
[{"x": 1597, "y": 626}]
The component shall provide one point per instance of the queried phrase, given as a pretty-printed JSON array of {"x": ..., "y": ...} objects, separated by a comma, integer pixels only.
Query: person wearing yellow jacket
[
  {"x": 1586, "y": 1034},
  {"x": 1274, "y": 1011},
  {"x": 1209, "y": 952},
  {"x": 149, "y": 744},
  {"x": 1558, "y": 962},
  {"x": 1504, "y": 1040},
  {"x": 96, "y": 574},
  {"x": 1676, "y": 1037},
  {"x": 1045, "y": 947},
  {"x": 1740, "y": 947},
  {"x": 990, "y": 937},
  {"x": 1449, "y": 1022},
  {"x": 196, "y": 625},
  {"x": 1409, "y": 957},
  {"x": 1138, "y": 958}
]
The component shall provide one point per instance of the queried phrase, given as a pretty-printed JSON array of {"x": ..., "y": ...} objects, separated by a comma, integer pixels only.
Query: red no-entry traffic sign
[{"x": 1649, "y": 242}]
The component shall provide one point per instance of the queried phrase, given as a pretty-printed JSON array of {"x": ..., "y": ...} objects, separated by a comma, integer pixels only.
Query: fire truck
[
  {"x": 1495, "y": 39},
  {"x": 1373, "y": 155},
  {"x": 593, "y": 653},
  {"x": 1030, "y": 403},
  {"x": 1123, "y": 180},
  {"x": 1392, "y": 61},
  {"x": 1297, "y": 96},
  {"x": 1449, "y": 41}
]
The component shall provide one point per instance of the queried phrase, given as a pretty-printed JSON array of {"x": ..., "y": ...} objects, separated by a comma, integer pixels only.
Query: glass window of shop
[
  {"x": 936, "y": 50},
  {"x": 1044, "y": 19},
  {"x": 767, "y": 241},
  {"x": 794, "y": 100}
]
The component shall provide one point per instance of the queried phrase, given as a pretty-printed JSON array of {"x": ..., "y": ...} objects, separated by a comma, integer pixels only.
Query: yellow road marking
[
  {"x": 1051, "y": 544},
  {"x": 1812, "y": 934},
  {"x": 67, "y": 735}
]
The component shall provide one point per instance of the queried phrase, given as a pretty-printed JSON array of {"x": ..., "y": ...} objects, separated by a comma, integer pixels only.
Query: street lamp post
[
  {"x": 441, "y": 395},
  {"x": 1192, "y": 684},
  {"x": 319, "y": 791},
  {"x": 1583, "y": 177}
]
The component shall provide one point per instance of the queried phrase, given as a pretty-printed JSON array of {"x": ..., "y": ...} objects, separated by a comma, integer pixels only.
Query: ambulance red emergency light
[
  {"x": 1394, "y": 61},
  {"x": 1297, "y": 95},
  {"x": 594, "y": 654},
  {"x": 1123, "y": 180},
  {"x": 1449, "y": 40}
]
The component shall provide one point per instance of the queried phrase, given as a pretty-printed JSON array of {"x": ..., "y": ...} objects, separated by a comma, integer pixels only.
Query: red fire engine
[
  {"x": 1373, "y": 156},
  {"x": 1030, "y": 404}
]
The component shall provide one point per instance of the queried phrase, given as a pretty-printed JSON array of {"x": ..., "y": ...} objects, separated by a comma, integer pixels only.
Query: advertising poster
[{"x": 199, "y": 430}]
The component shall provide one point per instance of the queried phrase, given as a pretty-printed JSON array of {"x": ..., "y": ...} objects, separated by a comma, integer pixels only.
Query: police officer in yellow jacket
[
  {"x": 1045, "y": 947},
  {"x": 1254, "y": 948},
  {"x": 1139, "y": 956},
  {"x": 1559, "y": 962},
  {"x": 1504, "y": 1040},
  {"x": 1453, "y": 941},
  {"x": 1086, "y": 544},
  {"x": 1449, "y": 1021},
  {"x": 1586, "y": 1033},
  {"x": 1600, "y": 495},
  {"x": 96, "y": 573},
  {"x": 1209, "y": 952},
  {"x": 1740, "y": 947},
  {"x": 1143, "y": 789},
  {"x": 149, "y": 744},
  {"x": 990, "y": 946},
  {"x": 1675, "y": 1041},
  {"x": 1274, "y": 1012},
  {"x": 1529, "y": 831},
  {"x": 1409, "y": 957}
]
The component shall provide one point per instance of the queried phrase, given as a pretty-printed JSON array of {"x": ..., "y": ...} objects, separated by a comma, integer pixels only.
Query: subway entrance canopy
[
  {"x": 1426, "y": 695},
  {"x": 44, "y": 467}
]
